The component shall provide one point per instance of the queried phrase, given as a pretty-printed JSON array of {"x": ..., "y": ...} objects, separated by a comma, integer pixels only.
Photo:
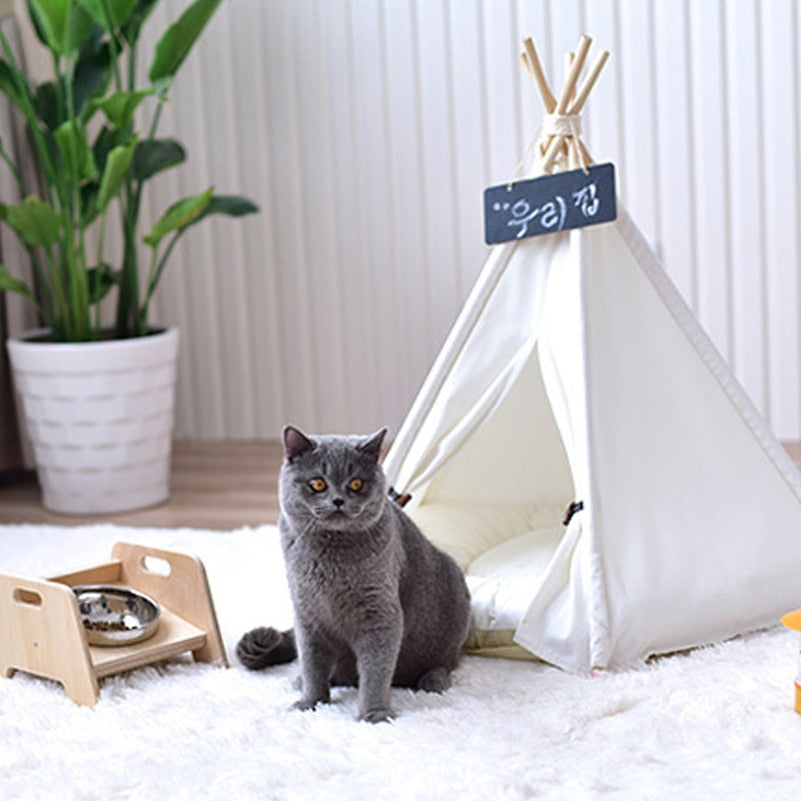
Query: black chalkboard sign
[{"x": 550, "y": 203}]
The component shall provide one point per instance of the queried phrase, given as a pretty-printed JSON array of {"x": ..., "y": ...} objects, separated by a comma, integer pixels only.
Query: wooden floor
[
  {"x": 219, "y": 485},
  {"x": 214, "y": 485}
]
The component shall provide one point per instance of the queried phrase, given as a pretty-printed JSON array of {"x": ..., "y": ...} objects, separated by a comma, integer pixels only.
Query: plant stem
[
  {"x": 129, "y": 321},
  {"x": 47, "y": 310},
  {"x": 132, "y": 65},
  {"x": 144, "y": 308},
  {"x": 14, "y": 171},
  {"x": 126, "y": 323},
  {"x": 42, "y": 150},
  {"x": 156, "y": 117},
  {"x": 59, "y": 84},
  {"x": 76, "y": 250},
  {"x": 114, "y": 42},
  {"x": 58, "y": 321},
  {"x": 155, "y": 273},
  {"x": 142, "y": 312},
  {"x": 101, "y": 239}
]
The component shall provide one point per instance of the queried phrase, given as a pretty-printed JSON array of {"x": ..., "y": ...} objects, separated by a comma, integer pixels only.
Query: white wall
[{"x": 367, "y": 130}]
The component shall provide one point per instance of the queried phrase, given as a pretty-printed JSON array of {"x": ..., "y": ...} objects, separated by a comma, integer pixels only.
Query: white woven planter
[{"x": 99, "y": 416}]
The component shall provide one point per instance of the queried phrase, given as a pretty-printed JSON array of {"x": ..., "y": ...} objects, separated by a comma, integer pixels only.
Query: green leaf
[
  {"x": 92, "y": 74},
  {"x": 75, "y": 151},
  {"x": 61, "y": 24},
  {"x": 230, "y": 205},
  {"x": 13, "y": 83},
  {"x": 46, "y": 103},
  {"x": 111, "y": 14},
  {"x": 119, "y": 108},
  {"x": 35, "y": 221},
  {"x": 154, "y": 155},
  {"x": 105, "y": 142},
  {"x": 131, "y": 29},
  {"x": 37, "y": 25},
  {"x": 11, "y": 284},
  {"x": 89, "y": 191},
  {"x": 179, "y": 215},
  {"x": 117, "y": 163},
  {"x": 179, "y": 39},
  {"x": 101, "y": 280}
]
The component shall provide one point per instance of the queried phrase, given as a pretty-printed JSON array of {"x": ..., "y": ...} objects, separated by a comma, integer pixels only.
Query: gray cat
[{"x": 376, "y": 604}]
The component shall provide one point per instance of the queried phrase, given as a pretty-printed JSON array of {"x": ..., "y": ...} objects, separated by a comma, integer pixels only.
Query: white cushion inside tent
[
  {"x": 501, "y": 579},
  {"x": 497, "y": 505}
]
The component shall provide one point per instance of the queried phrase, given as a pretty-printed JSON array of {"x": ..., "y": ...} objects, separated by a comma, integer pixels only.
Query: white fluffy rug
[{"x": 717, "y": 723}]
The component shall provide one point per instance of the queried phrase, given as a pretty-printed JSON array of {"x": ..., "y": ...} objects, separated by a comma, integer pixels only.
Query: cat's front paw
[
  {"x": 305, "y": 704},
  {"x": 377, "y": 715},
  {"x": 435, "y": 681}
]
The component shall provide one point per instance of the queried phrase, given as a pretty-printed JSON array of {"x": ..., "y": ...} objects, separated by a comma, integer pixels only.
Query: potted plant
[{"x": 93, "y": 132}]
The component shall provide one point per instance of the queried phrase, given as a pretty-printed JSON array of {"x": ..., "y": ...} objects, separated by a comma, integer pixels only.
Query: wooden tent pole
[
  {"x": 570, "y": 102},
  {"x": 568, "y": 145},
  {"x": 532, "y": 62},
  {"x": 589, "y": 83},
  {"x": 572, "y": 77}
]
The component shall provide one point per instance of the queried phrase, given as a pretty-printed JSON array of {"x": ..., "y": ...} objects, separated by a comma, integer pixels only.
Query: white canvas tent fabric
[{"x": 576, "y": 371}]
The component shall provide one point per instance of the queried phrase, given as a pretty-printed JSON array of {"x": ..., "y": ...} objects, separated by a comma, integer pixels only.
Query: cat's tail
[{"x": 262, "y": 647}]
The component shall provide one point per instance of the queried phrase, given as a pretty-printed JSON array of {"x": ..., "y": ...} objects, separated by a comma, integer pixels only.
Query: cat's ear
[
  {"x": 295, "y": 443},
  {"x": 372, "y": 444}
]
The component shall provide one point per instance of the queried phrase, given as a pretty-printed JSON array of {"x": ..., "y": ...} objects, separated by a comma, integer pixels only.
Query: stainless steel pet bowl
[{"x": 116, "y": 615}]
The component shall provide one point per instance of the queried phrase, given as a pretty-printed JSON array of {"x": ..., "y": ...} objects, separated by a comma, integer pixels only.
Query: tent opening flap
[{"x": 497, "y": 505}]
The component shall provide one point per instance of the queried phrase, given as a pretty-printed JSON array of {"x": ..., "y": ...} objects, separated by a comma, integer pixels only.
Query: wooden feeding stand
[
  {"x": 41, "y": 631},
  {"x": 561, "y": 126}
]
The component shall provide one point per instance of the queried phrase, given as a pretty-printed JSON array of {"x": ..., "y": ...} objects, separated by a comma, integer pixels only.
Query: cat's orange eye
[
  {"x": 318, "y": 484},
  {"x": 355, "y": 485}
]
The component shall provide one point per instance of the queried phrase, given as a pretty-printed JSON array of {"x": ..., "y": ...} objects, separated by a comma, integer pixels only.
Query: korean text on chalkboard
[{"x": 550, "y": 203}]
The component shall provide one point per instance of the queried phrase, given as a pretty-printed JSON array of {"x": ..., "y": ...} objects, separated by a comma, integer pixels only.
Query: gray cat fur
[{"x": 376, "y": 604}]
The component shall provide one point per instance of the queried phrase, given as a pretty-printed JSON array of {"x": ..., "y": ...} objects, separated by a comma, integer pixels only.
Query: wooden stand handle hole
[
  {"x": 27, "y": 597},
  {"x": 156, "y": 566}
]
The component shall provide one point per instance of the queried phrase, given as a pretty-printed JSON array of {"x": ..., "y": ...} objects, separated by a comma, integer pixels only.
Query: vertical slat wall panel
[
  {"x": 437, "y": 169},
  {"x": 469, "y": 163},
  {"x": 502, "y": 87},
  {"x": 637, "y": 100},
  {"x": 367, "y": 130},
  {"x": 315, "y": 228},
  {"x": 403, "y": 268},
  {"x": 346, "y": 358},
  {"x": 260, "y": 313},
  {"x": 675, "y": 178},
  {"x": 744, "y": 171},
  {"x": 781, "y": 125},
  {"x": 604, "y": 111},
  {"x": 385, "y": 346},
  {"x": 708, "y": 87}
]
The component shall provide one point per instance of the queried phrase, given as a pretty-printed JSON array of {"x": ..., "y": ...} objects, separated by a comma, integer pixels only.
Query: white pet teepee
[{"x": 575, "y": 372}]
